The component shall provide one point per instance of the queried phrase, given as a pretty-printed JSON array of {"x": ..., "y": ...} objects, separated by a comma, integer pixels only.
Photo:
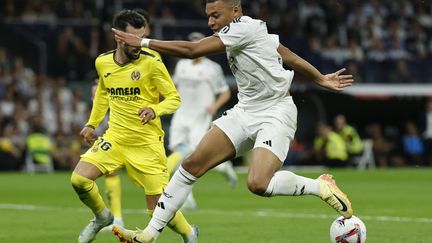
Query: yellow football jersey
[
  {"x": 124, "y": 89},
  {"x": 155, "y": 53}
]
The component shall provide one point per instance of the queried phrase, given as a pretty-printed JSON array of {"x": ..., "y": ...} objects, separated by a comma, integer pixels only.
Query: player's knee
[
  {"x": 80, "y": 183},
  {"x": 193, "y": 165},
  {"x": 256, "y": 186},
  {"x": 190, "y": 166}
]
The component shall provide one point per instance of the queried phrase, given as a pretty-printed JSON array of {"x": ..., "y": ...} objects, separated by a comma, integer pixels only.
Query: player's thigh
[
  {"x": 214, "y": 148},
  {"x": 105, "y": 154},
  {"x": 262, "y": 166},
  {"x": 87, "y": 170},
  {"x": 146, "y": 167},
  {"x": 233, "y": 125}
]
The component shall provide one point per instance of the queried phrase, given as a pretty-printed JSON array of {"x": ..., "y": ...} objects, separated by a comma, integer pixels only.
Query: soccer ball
[{"x": 351, "y": 230}]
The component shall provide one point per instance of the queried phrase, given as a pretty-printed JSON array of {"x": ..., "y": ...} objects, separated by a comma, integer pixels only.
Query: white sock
[
  {"x": 289, "y": 184},
  {"x": 171, "y": 200}
]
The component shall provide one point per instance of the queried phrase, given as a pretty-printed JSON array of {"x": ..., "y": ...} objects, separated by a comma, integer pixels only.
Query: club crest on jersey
[{"x": 135, "y": 75}]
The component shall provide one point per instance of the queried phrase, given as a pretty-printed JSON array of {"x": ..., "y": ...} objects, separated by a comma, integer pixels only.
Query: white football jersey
[
  {"x": 255, "y": 63},
  {"x": 198, "y": 84}
]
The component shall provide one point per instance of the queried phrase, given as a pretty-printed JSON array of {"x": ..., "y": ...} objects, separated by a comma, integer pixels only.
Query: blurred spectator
[
  {"x": 401, "y": 73},
  {"x": 412, "y": 144},
  {"x": 39, "y": 150},
  {"x": 7, "y": 104},
  {"x": 62, "y": 153},
  {"x": 403, "y": 28},
  {"x": 72, "y": 54},
  {"x": 329, "y": 147},
  {"x": 9, "y": 154},
  {"x": 383, "y": 148},
  {"x": 5, "y": 63},
  {"x": 350, "y": 136},
  {"x": 24, "y": 77}
]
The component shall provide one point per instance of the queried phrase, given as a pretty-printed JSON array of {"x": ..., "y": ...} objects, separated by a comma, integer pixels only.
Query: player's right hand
[{"x": 88, "y": 134}]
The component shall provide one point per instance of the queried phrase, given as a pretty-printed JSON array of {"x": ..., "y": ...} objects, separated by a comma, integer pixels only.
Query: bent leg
[
  {"x": 82, "y": 180},
  {"x": 264, "y": 179},
  {"x": 213, "y": 149},
  {"x": 178, "y": 223}
]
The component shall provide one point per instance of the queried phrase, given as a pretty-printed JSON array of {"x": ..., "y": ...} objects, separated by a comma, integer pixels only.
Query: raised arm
[
  {"x": 186, "y": 49},
  {"x": 333, "y": 81}
]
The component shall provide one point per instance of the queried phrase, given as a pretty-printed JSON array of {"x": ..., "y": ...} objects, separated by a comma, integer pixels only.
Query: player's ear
[{"x": 237, "y": 9}]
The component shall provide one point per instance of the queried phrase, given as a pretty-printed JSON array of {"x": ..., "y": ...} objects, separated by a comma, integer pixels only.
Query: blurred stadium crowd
[{"x": 387, "y": 41}]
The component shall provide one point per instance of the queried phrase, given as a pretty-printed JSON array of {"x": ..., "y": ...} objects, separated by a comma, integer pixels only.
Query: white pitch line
[{"x": 258, "y": 213}]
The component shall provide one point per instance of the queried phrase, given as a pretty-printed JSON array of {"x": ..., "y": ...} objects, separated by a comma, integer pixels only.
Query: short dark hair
[
  {"x": 128, "y": 17},
  {"x": 144, "y": 13}
]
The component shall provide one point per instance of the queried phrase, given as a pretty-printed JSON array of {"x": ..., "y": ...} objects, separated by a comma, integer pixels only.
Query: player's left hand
[
  {"x": 147, "y": 114},
  {"x": 337, "y": 82},
  {"x": 129, "y": 39}
]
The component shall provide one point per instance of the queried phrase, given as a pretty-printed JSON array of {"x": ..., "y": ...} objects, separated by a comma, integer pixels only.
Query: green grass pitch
[{"x": 396, "y": 206}]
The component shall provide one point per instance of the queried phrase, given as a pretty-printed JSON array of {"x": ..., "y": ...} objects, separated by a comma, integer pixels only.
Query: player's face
[
  {"x": 220, "y": 14},
  {"x": 133, "y": 53}
]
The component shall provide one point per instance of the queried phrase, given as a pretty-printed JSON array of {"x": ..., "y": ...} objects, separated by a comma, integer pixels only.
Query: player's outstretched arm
[
  {"x": 333, "y": 81},
  {"x": 186, "y": 49}
]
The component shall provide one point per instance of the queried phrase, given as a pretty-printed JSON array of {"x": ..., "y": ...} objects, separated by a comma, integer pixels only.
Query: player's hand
[
  {"x": 88, "y": 134},
  {"x": 129, "y": 39},
  {"x": 211, "y": 110},
  {"x": 146, "y": 114},
  {"x": 335, "y": 81}
]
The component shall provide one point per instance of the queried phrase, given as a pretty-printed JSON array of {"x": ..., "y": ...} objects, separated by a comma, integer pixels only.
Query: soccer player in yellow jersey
[
  {"x": 130, "y": 84},
  {"x": 112, "y": 180}
]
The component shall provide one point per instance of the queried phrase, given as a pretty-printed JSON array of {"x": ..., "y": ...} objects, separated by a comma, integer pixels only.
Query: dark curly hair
[{"x": 129, "y": 17}]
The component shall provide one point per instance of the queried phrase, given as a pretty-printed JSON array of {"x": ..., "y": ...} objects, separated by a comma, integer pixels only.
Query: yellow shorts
[{"x": 145, "y": 165}]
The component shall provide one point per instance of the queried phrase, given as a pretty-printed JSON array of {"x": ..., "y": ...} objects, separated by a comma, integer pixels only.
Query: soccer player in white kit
[
  {"x": 264, "y": 120},
  {"x": 199, "y": 81}
]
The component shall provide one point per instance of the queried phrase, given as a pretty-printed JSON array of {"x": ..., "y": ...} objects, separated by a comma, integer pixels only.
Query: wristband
[{"x": 145, "y": 42}]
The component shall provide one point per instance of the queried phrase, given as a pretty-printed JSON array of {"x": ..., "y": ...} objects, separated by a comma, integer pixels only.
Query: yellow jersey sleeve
[
  {"x": 100, "y": 102},
  {"x": 162, "y": 80},
  {"x": 153, "y": 52}
]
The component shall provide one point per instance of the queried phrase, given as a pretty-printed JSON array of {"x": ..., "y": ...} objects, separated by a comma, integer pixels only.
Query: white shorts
[
  {"x": 188, "y": 129},
  {"x": 272, "y": 128}
]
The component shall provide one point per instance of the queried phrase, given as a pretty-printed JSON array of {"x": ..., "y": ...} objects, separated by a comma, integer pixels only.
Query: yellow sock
[
  {"x": 113, "y": 194},
  {"x": 178, "y": 224},
  {"x": 172, "y": 162},
  {"x": 88, "y": 192}
]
